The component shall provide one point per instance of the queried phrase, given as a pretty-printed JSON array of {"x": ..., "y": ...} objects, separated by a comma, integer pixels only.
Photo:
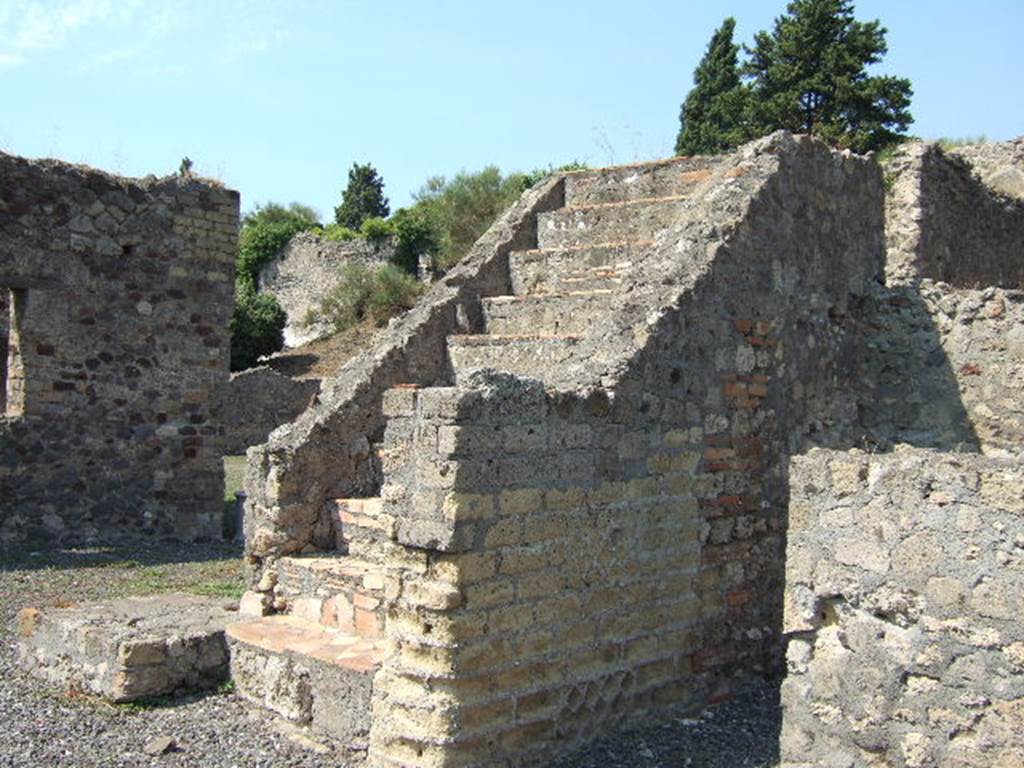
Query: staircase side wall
[
  {"x": 904, "y": 590},
  {"x": 326, "y": 452}
]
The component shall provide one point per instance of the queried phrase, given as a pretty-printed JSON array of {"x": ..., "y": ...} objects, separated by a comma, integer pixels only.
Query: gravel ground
[{"x": 48, "y": 728}]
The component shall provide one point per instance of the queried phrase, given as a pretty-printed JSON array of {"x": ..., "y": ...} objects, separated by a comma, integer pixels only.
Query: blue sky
[{"x": 277, "y": 99}]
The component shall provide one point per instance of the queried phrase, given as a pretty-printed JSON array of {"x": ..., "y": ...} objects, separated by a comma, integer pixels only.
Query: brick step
[
  {"x": 633, "y": 220},
  {"x": 343, "y": 592},
  {"x": 360, "y": 520},
  {"x": 674, "y": 176},
  {"x": 529, "y": 355},
  {"x": 549, "y": 314},
  {"x": 311, "y": 675},
  {"x": 603, "y": 266}
]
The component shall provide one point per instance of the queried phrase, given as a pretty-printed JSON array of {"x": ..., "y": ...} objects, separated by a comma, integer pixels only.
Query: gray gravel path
[{"x": 43, "y": 728}]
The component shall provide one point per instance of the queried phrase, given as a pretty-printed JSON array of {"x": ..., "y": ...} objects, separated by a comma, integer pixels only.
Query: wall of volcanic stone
[{"x": 118, "y": 296}]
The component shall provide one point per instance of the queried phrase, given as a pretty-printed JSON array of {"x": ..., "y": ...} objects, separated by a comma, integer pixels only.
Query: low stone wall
[
  {"x": 306, "y": 270},
  {"x": 257, "y": 401},
  {"x": 119, "y": 294},
  {"x": 904, "y": 590},
  {"x": 944, "y": 223}
]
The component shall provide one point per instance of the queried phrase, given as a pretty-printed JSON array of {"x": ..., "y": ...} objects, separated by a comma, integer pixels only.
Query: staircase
[{"x": 313, "y": 662}]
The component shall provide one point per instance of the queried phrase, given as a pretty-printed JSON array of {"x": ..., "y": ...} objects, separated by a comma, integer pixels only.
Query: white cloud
[{"x": 28, "y": 27}]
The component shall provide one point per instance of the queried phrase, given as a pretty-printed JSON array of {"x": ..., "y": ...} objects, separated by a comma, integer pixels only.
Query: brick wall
[{"x": 123, "y": 294}]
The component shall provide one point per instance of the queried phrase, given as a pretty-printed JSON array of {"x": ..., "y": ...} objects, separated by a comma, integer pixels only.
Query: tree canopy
[
  {"x": 809, "y": 74},
  {"x": 711, "y": 119},
  {"x": 363, "y": 198}
]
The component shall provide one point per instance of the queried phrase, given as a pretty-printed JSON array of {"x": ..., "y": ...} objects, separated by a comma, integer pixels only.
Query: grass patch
[
  {"x": 234, "y": 476},
  {"x": 214, "y": 579},
  {"x": 952, "y": 142}
]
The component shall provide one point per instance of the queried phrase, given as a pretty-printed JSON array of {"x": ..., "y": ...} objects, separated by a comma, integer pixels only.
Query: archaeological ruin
[
  {"x": 114, "y": 340},
  {"x": 667, "y": 426}
]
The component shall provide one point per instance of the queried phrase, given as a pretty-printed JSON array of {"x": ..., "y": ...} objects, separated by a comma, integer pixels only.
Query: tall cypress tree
[
  {"x": 810, "y": 77},
  {"x": 712, "y": 117},
  {"x": 363, "y": 198}
]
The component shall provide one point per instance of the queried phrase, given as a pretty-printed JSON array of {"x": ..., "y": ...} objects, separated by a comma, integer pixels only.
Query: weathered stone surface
[
  {"x": 118, "y": 294},
  {"x": 565, "y": 536},
  {"x": 304, "y": 273},
  {"x": 257, "y": 401},
  {"x": 999, "y": 164},
  {"x": 943, "y": 367},
  {"x": 306, "y": 673},
  {"x": 904, "y": 590},
  {"x": 128, "y": 649},
  {"x": 945, "y": 223}
]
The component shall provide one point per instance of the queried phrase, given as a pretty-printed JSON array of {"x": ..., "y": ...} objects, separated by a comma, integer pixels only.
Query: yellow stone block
[
  {"x": 508, "y": 530},
  {"x": 521, "y": 501},
  {"x": 564, "y": 500},
  {"x": 467, "y": 506}
]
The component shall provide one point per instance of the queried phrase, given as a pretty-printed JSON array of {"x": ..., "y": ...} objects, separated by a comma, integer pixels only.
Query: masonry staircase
[{"x": 313, "y": 661}]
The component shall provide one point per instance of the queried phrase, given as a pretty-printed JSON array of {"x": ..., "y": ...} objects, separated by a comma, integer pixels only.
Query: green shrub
[
  {"x": 378, "y": 293},
  {"x": 257, "y": 326},
  {"x": 415, "y": 236},
  {"x": 394, "y": 291},
  {"x": 337, "y": 233},
  {"x": 259, "y": 243},
  {"x": 377, "y": 229},
  {"x": 346, "y": 303}
]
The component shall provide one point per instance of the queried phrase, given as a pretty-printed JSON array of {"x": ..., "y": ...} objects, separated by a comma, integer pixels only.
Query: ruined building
[
  {"x": 115, "y": 298},
  {"x": 666, "y": 426},
  {"x": 553, "y": 496}
]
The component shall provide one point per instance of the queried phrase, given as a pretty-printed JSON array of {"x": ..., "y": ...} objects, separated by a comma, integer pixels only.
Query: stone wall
[
  {"x": 257, "y": 401},
  {"x": 307, "y": 269},
  {"x": 570, "y": 558},
  {"x": 905, "y": 586},
  {"x": 942, "y": 367},
  {"x": 999, "y": 164},
  {"x": 944, "y": 223},
  {"x": 119, "y": 293}
]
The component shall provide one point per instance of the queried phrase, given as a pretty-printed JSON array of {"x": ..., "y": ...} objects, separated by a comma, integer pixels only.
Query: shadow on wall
[{"x": 907, "y": 389}]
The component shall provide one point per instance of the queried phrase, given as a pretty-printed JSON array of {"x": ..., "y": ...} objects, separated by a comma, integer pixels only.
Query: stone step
[
  {"x": 311, "y": 675},
  {"x": 361, "y": 519},
  {"x": 580, "y": 268},
  {"x": 343, "y": 592},
  {"x": 675, "y": 176},
  {"x": 604, "y": 222},
  {"x": 532, "y": 356},
  {"x": 549, "y": 314},
  {"x": 131, "y": 648}
]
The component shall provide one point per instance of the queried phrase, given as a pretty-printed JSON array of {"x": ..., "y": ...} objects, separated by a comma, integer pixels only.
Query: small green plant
[
  {"x": 337, "y": 233},
  {"x": 363, "y": 292},
  {"x": 377, "y": 229},
  {"x": 257, "y": 326},
  {"x": 226, "y": 688},
  {"x": 394, "y": 291},
  {"x": 947, "y": 143},
  {"x": 346, "y": 303}
]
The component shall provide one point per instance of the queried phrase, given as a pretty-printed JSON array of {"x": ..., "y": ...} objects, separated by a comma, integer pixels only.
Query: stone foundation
[{"x": 129, "y": 649}]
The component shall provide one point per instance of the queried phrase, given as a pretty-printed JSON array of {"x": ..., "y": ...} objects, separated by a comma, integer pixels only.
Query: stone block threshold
[
  {"x": 129, "y": 649},
  {"x": 317, "y": 677}
]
